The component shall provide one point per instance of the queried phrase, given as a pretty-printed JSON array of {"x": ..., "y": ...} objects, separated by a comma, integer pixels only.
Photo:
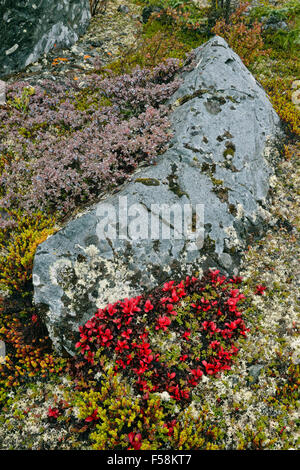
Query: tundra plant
[{"x": 93, "y": 136}]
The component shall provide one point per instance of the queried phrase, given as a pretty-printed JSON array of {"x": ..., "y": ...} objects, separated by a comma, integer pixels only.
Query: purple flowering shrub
[{"x": 62, "y": 146}]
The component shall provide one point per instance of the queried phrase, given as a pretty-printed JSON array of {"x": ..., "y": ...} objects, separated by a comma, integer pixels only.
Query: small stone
[
  {"x": 35, "y": 68},
  {"x": 12, "y": 49},
  {"x": 123, "y": 9},
  {"x": 2, "y": 92},
  {"x": 254, "y": 371},
  {"x": 296, "y": 94},
  {"x": 2, "y": 352},
  {"x": 296, "y": 85},
  {"x": 276, "y": 26},
  {"x": 225, "y": 260},
  {"x": 296, "y": 99},
  {"x": 147, "y": 12}
]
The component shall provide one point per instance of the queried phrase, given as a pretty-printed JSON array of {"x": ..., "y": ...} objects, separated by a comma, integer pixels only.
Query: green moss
[
  {"x": 158, "y": 42},
  {"x": 216, "y": 182},
  {"x": 86, "y": 99},
  {"x": 190, "y": 38},
  {"x": 174, "y": 186},
  {"x": 18, "y": 247},
  {"x": 148, "y": 181},
  {"x": 31, "y": 132},
  {"x": 196, "y": 94},
  {"x": 229, "y": 151},
  {"x": 233, "y": 100}
]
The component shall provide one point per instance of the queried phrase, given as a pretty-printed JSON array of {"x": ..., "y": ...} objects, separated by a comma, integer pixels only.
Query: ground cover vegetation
[{"x": 203, "y": 362}]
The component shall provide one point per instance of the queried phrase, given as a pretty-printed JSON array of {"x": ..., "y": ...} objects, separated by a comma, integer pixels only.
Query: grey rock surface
[
  {"x": 123, "y": 9},
  {"x": 254, "y": 372},
  {"x": 31, "y": 28},
  {"x": 217, "y": 168}
]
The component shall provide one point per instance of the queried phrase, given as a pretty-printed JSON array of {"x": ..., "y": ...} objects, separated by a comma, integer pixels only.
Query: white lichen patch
[
  {"x": 26, "y": 425},
  {"x": 93, "y": 274},
  {"x": 233, "y": 241},
  {"x": 240, "y": 211},
  {"x": 273, "y": 181},
  {"x": 120, "y": 290},
  {"x": 57, "y": 268},
  {"x": 165, "y": 396}
]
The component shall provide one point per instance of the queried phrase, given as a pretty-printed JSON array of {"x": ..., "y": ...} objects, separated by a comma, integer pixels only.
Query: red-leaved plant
[{"x": 197, "y": 321}]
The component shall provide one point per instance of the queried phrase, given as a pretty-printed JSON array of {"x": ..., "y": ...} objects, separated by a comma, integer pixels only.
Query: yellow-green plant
[
  {"x": 18, "y": 246},
  {"x": 122, "y": 420},
  {"x": 117, "y": 413},
  {"x": 22, "y": 102},
  {"x": 280, "y": 93}
]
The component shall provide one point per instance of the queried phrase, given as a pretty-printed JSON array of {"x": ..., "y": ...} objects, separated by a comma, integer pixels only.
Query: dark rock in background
[
  {"x": 277, "y": 20},
  {"x": 123, "y": 9},
  {"x": 271, "y": 26},
  {"x": 147, "y": 12},
  {"x": 221, "y": 158},
  {"x": 30, "y": 28}
]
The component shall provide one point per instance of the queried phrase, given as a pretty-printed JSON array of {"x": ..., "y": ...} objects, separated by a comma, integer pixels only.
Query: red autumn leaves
[
  {"x": 135, "y": 439},
  {"x": 260, "y": 289},
  {"x": 128, "y": 333},
  {"x": 53, "y": 412},
  {"x": 163, "y": 323}
]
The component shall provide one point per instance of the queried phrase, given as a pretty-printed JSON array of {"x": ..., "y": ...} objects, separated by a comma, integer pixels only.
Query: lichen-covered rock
[
  {"x": 31, "y": 28},
  {"x": 214, "y": 180}
]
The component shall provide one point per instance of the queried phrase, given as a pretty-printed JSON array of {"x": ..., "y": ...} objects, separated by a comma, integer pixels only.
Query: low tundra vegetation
[
  {"x": 93, "y": 137},
  {"x": 205, "y": 363}
]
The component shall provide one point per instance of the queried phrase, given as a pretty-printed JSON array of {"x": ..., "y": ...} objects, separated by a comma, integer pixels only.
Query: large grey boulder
[
  {"x": 32, "y": 27},
  {"x": 217, "y": 169}
]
